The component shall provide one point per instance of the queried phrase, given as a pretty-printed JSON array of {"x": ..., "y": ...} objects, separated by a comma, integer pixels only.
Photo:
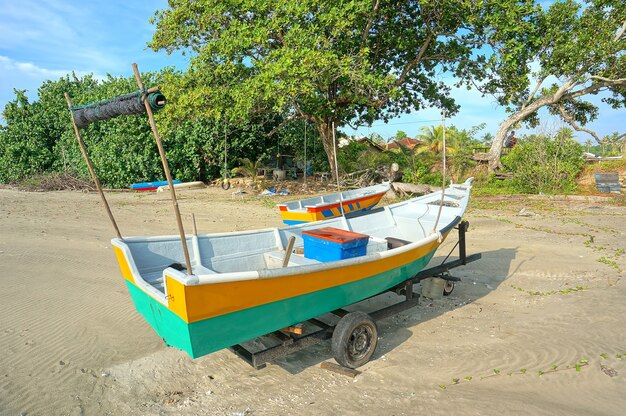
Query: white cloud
[
  {"x": 28, "y": 69},
  {"x": 41, "y": 40},
  {"x": 27, "y": 76},
  {"x": 99, "y": 36}
]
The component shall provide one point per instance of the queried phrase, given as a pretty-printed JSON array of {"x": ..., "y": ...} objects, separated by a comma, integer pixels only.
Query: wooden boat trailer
[{"x": 291, "y": 342}]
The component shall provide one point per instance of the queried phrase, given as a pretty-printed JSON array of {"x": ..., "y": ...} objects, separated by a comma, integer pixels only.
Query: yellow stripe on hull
[
  {"x": 198, "y": 302},
  {"x": 121, "y": 260}
]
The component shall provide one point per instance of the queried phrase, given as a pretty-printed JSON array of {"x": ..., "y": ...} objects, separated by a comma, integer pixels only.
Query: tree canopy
[
  {"x": 330, "y": 62},
  {"x": 571, "y": 50},
  {"x": 432, "y": 139}
]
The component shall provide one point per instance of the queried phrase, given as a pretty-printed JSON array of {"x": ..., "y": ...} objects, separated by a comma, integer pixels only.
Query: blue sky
[{"x": 42, "y": 40}]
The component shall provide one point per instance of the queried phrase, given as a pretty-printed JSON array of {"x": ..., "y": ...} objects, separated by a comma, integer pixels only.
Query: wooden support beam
[
  {"x": 96, "y": 181},
  {"x": 166, "y": 168}
]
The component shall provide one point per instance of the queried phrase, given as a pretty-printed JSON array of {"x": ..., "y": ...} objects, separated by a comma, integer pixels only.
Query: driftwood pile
[
  {"x": 368, "y": 177},
  {"x": 55, "y": 182}
]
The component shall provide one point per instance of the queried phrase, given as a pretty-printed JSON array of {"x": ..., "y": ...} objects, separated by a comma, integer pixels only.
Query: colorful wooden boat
[
  {"x": 239, "y": 289},
  {"x": 328, "y": 206},
  {"x": 149, "y": 186}
]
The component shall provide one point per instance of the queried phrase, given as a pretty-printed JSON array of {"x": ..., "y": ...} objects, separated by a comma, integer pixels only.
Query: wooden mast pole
[
  {"x": 443, "y": 173},
  {"x": 96, "y": 181},
  {"x": 166, "y": 168}
]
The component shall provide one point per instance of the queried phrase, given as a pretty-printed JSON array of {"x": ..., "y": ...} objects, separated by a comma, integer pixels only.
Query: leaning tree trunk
[
  {"x": 498, "y": 142},
  {"x": 326, "y": 133}
]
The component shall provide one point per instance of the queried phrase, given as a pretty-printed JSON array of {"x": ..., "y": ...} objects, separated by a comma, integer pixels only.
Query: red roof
[{"x": 406, "y": 142}]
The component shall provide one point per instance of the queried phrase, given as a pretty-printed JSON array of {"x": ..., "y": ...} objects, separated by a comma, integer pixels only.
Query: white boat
[{"x": 247, "y": 284}]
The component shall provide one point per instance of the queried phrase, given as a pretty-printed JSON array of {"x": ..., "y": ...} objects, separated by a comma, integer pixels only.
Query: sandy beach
[{"x": 536, "y": 327}]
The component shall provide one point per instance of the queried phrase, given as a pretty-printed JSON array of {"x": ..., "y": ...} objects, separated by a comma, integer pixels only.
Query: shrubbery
[
  {"x": 541, "y": 164},
  {"x": 38, "y": 137}
]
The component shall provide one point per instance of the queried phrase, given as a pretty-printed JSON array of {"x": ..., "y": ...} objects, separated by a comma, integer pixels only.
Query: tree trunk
[
  {"x": 326, "y": 133},
  {"x": 498, "y": 142}
]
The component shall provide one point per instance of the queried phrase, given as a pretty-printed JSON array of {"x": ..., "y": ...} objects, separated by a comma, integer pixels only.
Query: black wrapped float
[{"x": 127, "y": 104}]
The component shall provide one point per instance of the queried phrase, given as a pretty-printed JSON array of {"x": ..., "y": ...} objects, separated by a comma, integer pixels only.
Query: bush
[
  {"x": 38, "y": 138},
  {"x": 540, "y": 164}
]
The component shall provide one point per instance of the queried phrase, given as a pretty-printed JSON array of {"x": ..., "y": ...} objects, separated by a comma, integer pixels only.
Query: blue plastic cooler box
[{"x": 330, "y": 244}]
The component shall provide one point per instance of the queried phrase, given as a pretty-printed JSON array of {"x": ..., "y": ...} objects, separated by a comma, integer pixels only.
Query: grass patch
[
  {"x": 567, "y": 291},
  {"x": 554, "y": 368}
]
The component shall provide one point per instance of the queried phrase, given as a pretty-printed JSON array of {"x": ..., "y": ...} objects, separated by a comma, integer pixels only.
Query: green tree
[
  {"x": 487, "y": 139},
  {"x": 329, "y": 62},
  {"x": 30, "y": 139},
  {"x": 38, "y": 136},
  {"x": 565, "y": 133},
  {"x": 400, "y": 135},
  {"x": 432, "y": 139},
  {"x": 613, "y": 143},
  {"x": 248, "y": 168},
  {"x": 570, "y": 50}
]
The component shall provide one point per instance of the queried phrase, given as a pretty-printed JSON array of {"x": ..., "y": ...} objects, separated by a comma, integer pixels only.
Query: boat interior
[{"x": 387, "y": 228}]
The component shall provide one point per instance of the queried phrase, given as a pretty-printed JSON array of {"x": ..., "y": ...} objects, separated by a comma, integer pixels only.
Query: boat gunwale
[
  {"x": 316, "y": 207},
  {"x": 214, "y": 278}
]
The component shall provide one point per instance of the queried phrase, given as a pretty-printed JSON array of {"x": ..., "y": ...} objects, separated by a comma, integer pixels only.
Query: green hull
[{"x": 213, "y": 334}]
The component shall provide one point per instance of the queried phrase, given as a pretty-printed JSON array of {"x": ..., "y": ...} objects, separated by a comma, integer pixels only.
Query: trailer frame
[{"x": 290, "y": 342}]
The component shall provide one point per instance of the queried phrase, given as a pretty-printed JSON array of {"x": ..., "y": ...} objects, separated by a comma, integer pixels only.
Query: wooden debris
[
  {"x": 411, "y": 188},
  {"x": 293, "y": 330},
  {"x": 327, "y": 365},
  {"x": 503, "y": 175}
]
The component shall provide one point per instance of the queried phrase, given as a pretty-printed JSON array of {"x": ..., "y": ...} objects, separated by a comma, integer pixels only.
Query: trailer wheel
[
  {"x": 354, "y": 339},
  {"x": 448, "y": 288}
]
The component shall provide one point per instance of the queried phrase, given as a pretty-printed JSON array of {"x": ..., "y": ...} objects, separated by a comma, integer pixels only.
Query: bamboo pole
[
  {"x": 443, "y": 173},
  {"x": 166, "y": 168},
  {"x": 96, "y": 181},
  {"x": 305, "y": 165},
  {"x": 337, "y": 173}
]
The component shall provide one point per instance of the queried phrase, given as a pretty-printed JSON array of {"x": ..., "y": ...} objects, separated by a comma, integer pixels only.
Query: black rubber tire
[
  {"x": 448, "y": 288},
  {"x": 225, "y": 184},
  {"x": 354, "y": 339}
]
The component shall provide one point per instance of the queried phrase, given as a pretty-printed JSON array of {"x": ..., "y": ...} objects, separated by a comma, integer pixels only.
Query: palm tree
[
  {"x": 248, "y": 168},
  {"x": 614, "y": 142},
  {"x": 432, "y": 138},
  {"x": 588, "y": 143},
  {"x": 565, "y": 133}
]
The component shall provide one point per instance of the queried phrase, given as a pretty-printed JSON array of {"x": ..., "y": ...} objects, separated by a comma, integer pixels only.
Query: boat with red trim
[{"x": 333, "y": 205}]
